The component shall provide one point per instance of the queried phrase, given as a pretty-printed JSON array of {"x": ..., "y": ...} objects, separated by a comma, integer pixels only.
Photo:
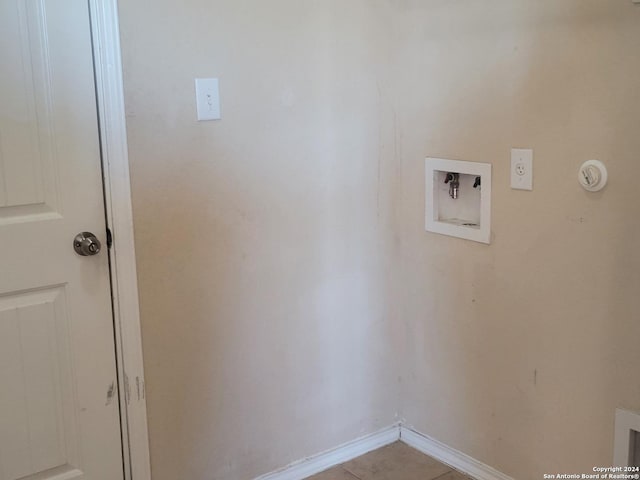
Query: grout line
[
  {"x": 445, "y": 473},
  {"x": 350, "y": 473}
]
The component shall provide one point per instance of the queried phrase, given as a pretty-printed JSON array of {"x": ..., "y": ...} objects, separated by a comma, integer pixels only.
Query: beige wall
[
  {"x": 286, "y": 280},
  {"x": 262, "y": 239},
  {"x": 519, "y": 352}
]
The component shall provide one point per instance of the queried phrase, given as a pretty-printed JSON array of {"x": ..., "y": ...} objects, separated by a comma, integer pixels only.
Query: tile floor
[{"x": 393, "y": 462}]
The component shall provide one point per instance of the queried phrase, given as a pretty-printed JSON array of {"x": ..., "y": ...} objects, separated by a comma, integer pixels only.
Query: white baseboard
[
  {"x": 348, "y": 451},
  {"x": 449, "y": 456},
  {"x": 318, "y": 463}
]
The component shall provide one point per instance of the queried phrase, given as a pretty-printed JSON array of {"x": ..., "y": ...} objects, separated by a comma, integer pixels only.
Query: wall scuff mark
[
  {"x": 110, "y": 393},
  {"x": 127, "y": 389}
]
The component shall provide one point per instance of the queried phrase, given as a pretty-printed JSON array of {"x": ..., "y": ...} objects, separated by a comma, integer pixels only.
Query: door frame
[{"x": 115, "y": 167}]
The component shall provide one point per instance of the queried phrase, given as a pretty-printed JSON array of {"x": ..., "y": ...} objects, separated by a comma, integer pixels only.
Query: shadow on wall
[{"x": 264, "y": 316}]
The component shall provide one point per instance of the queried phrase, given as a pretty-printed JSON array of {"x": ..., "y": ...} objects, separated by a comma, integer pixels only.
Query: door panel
[
  {"x": 37, "y": 429},
  {"x": 59, "y": 414},
  {"x": 25, "y": 128}
]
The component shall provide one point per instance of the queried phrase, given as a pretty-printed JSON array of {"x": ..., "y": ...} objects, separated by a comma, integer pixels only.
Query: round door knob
[{"x": 86, "y": 244}]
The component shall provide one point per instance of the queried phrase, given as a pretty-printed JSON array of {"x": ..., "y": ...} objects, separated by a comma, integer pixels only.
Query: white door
[{"x": 59, "y": 412}]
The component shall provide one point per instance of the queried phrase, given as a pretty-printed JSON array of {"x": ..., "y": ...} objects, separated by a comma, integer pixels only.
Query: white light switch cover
[{"x": 208, "y": 98}]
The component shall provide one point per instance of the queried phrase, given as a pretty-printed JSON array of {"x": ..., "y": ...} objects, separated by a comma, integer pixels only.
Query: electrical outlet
[{"x": 521, "y": 169}]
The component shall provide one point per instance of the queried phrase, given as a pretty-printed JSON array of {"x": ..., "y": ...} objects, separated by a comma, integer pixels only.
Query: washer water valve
[
  {"x": 453, "y": 179},
  {"x": 592, "y": 175}
]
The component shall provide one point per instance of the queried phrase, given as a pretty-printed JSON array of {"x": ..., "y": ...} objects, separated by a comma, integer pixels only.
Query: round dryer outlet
[{"x": 592, "y": 175}]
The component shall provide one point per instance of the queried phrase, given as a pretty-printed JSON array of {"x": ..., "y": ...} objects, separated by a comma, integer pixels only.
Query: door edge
[{"x": 119, "y": 216}]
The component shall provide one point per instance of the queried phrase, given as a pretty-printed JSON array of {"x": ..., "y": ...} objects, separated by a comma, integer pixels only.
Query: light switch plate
[
  {"x": 208, "y": 98},
  {"x": 522, "y": 169}
]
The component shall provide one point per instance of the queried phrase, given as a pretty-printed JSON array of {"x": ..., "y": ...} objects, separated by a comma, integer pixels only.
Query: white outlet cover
[{"x": 522, "y": 169}]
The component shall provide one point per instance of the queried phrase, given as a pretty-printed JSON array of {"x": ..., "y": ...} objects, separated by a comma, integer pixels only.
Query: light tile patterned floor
[{"x": 393, "y": 462}]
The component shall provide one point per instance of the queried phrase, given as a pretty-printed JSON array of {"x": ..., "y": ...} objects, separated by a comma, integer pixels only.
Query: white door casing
[
  {"x": 111, "y": 111},
  {"x": 59, "y": 414}
]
